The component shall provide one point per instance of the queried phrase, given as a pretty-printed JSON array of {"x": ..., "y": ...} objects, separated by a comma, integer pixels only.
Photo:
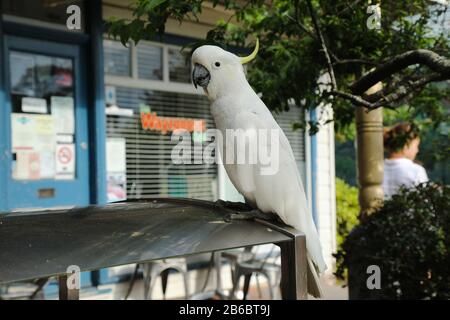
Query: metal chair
[
  {"x": 256, "y": 266},
  {"x": 162, "y": 268}
]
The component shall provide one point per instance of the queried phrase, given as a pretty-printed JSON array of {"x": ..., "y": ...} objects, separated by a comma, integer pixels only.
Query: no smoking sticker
[
  {"x": 65, "y": 155},
  {"x": 65, "y": 161}
]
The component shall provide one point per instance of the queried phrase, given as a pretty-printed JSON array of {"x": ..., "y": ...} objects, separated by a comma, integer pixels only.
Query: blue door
[{"x": 46, "y": 122}]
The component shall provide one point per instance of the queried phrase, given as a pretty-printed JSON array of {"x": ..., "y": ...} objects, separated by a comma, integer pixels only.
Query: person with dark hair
[{"x": 401, "y": 143}]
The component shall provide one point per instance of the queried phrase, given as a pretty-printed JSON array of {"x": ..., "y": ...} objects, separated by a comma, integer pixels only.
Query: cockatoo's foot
[
  {"x": 249, "y": 215},
  {"x": 242, "y": 211},
  {"x": 233, "y": 206}
]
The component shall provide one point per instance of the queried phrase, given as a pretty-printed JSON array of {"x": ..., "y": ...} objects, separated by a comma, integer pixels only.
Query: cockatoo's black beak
[{"x": 200, "y": 76}]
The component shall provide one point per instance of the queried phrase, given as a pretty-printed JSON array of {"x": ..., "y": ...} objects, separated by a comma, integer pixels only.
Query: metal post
[
  {"x": 294, "y": 264},
  {"x": 64, "y": 292},
  {"x": 293, "y": 269}
]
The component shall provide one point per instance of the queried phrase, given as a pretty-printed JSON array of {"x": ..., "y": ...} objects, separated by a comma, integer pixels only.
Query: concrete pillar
[{"x": 370, "y": 158}]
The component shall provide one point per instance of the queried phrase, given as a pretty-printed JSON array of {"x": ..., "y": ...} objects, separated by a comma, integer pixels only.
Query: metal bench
[{"x": 45, "y": 243}]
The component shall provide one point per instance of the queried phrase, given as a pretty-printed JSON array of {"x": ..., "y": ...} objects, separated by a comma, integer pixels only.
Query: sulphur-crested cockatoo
[{"x": 234, "y": 105}]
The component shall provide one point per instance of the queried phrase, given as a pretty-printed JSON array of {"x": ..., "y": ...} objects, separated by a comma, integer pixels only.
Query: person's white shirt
[{"x": 401, "y": 172}]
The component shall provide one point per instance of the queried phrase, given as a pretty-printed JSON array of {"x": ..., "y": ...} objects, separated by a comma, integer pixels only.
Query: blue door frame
[
  {"x": 90, "y": 56},
  {"x": 24, "y": 193}
]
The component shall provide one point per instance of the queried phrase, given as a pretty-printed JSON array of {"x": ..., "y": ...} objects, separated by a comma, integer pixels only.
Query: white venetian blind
[
  {"x": 296, "y": 138},
  {"x": 150, "y": 171}
]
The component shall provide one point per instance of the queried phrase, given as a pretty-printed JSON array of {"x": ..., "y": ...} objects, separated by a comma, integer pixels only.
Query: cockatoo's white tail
[
  {"x": 313, "y": 242},
  {"x": 298, "y": 215}
]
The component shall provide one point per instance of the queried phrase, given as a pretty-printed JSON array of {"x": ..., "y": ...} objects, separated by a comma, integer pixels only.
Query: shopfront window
[
  {"x": 139, "y": 151},
  {"x": 150, "y": 61},
  {"x": 117, "y": 59},
  {"x": 42, "y": 90},
  {"x": 179, "y": 67},
  {"x": 139, "y": 163}
]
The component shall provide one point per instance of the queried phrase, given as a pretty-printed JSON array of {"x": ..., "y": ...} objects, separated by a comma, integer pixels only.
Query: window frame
[{"x": 165, "y": 84}]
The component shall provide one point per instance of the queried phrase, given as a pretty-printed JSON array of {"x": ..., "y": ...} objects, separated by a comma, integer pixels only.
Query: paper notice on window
[
  {"x": 62, "y": 109},
  {"x": 33, "y": 143},
  {"x": 116, "y": 167},
  {"x": 65, "y": 161},
  {"x": 32, "y": 131},
  {"x": 36, "y": 105},
  {"x": 115, "y": 155},
  {"x": 27, "y": 165},
  {"x": 64, "y": 138},
  {"x": 47, "y": 165},
  {"x": 117, "y": 187}
]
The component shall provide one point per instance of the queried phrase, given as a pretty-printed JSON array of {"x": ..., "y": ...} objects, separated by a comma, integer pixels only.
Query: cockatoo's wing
[{"x": 282, "y": 192}]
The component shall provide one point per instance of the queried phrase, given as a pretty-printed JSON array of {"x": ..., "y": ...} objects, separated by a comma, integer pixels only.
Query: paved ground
[
  {"x": 331, "y": 290},
  {"x": 175, "y": 290}
]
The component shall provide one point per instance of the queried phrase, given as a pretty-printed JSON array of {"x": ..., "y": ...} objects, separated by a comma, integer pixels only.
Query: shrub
[
  {"x": 408, "y": 238},
  {"x": 347, "y": 209}
]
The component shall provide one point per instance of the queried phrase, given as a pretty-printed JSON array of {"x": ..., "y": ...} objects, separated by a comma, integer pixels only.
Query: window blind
[{"x": 150, "y": 171}]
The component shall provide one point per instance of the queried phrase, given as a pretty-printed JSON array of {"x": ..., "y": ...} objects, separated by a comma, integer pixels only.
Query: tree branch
[
  {"x": 380, "y": 99},
  {"x": 406, "y": 89},
  {"x": 322, "y": 43},
  {"x": 356, "y": 100},
  {"x": 428, "y": 58},
  {"x": 348, "y": 7},
  {"x": 356, "y": 61}
]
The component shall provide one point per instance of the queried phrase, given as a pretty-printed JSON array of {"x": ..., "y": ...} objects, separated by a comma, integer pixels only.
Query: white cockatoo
[{"x": 234, "y": 105}]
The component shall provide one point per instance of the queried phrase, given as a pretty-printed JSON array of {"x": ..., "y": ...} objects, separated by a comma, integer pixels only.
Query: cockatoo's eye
[{"x": 217, "y": 64}]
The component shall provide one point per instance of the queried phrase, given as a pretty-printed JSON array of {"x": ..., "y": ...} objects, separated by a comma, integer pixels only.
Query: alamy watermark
[
  {"x": 373, "y": 22},
  {"x": 243, "y": 147},
  {"x": 73, "y": 21},
  {"x": 374, "y": 280},
  {"x": 73, "y": 278}
]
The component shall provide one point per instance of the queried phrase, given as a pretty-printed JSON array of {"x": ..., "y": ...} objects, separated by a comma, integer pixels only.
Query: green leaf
[{"x": 153, "y": 4}]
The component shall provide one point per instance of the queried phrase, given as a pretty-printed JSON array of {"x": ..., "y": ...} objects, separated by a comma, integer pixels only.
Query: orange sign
[{"x": 150, "y": 121}]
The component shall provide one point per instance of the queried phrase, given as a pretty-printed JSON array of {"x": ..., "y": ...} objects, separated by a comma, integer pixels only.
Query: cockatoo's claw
[
  {"x": 233, "y": 206},
  {"x": 249, "y": 215}
]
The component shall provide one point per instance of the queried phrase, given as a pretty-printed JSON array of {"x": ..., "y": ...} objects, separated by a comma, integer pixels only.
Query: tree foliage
[{"x": 298, "y": 36}]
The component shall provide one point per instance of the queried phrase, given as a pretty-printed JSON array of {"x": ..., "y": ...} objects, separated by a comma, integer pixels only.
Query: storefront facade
[
  {"x": 72, "y": 130},
  {"x": 51, "y": 105}
]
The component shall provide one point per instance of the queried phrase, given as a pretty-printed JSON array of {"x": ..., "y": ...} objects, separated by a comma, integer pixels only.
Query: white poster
[
  {"x": 36, "y": 105},
  {"x": 116, "y": 169},
  {"x": 33, "y": 145},
  {"x": 63, "y": 110},
  {"x": 65, "y": 161},
  {"x": 32, "y": 131},
  {"x": 115, "y": 155},
  {"x": 47, "y": 164},
  {"x": 117, "y": 190},
  {"x": 27, "y": 165}
]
